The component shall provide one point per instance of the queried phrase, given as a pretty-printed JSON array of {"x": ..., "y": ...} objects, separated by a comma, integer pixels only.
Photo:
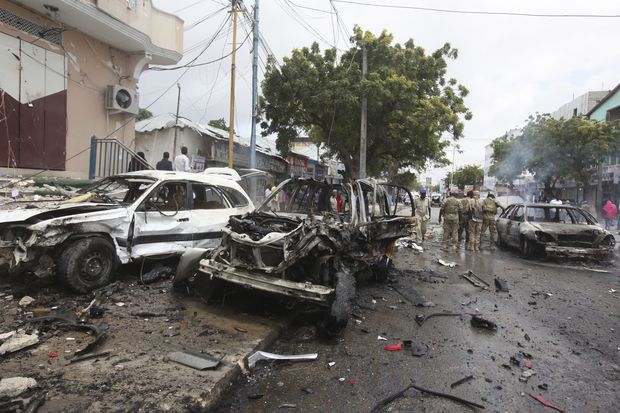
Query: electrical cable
[{"x": 479, "y": 12}]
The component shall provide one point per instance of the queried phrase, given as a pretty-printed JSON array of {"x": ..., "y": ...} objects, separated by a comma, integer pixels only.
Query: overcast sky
[{"x": 513, "y": 66}]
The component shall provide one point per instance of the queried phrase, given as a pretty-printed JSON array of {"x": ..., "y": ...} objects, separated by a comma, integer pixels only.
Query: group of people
[
  {"x": 466, "y": 219},
  {"x": 181, "y": 162}
]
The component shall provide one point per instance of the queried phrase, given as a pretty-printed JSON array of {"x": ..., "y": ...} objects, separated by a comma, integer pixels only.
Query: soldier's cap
[{"x": 422, "y": 190}]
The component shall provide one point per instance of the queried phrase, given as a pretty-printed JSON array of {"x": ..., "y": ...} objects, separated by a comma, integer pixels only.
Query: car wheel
[
  {"x": 87, "y": 264},
  {"x": 338, "y": 316}
]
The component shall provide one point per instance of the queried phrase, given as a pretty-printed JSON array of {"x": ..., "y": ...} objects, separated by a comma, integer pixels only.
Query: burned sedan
[
  {"x": 309, "y": 240},
  {"x": 119, "y": 219},
  {"x": 553, "y": 230}
]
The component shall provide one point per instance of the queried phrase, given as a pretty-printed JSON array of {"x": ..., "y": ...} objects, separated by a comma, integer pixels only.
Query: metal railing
[{"x": 111, "y": 157}]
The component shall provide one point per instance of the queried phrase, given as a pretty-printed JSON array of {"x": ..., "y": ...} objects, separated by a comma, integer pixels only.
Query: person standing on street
[
  {"x": 422, "y": 208},
  {"x": 490, "y": 206},
  {"x": 475, "y": 223},
  {"x": 450, "y": 211},
  {"x": 164, "y": 164},
  {"x": 137, "y": 163},
  {"x": 464, "y": 219},
  {"x": 181, "y": 162},
  {"x": 609, "y": 213}
]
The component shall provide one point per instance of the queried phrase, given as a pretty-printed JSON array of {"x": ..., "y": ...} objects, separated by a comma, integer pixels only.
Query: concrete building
[
  {"x": 69, "y": 69},
  {"x": 608, "y": 110},
  {"x": 580, "y": 105}
]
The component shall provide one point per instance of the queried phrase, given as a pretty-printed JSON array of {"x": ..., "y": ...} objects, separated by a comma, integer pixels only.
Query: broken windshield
[
  {"x": 119, "y": 189},
  {"x": 557, "y": 215}
]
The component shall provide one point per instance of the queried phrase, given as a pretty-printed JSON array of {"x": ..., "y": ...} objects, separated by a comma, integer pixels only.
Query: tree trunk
[{"x": 351, "y": 168}]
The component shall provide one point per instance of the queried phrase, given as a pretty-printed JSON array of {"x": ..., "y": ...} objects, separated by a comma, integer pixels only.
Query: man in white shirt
[
  {"x": 555, "y": 201},
  {"x": 181, "y": 162}
]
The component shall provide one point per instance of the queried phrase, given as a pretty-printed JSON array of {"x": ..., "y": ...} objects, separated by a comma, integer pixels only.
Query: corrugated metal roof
[{"x": 264, "y": 145}]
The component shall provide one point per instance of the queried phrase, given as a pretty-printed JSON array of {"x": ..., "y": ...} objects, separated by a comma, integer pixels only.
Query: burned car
[
  {"x": 309, "y": 240},
  {"x": 119, "y": 219},
  {"x": 553, "y": 230}
]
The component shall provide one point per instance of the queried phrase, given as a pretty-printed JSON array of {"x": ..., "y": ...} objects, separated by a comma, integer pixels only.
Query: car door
[
  {"x": 162, "y": 223},
  {"x": 502, "y": 223},
  {"x": 399, "y": 200},
  {"x": 513, "y": 227},
  {"x": 210, "y": 211}
]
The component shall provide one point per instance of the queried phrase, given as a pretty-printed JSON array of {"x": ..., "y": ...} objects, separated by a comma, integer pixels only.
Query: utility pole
[
  {"x": 254, "y": 87},
  {"x": 362, "y": 173},
  {"x": 231, "y": 127},
  {"x": 176, "y": 122}
]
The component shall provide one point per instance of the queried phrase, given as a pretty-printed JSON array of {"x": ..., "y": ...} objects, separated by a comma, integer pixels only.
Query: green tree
[
  {"x": 143, "y": 114},
  {"x": 411, "y": 103},
  {"x": 218, "y": 123},
  {"x": 406, "y": 179},
  {"x": 555, "y": 149},
  {"x": 466, "y": 175}
]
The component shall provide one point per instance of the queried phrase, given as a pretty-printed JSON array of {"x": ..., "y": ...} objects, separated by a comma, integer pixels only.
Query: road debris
[
  {"x": 544, "y": 402},
  {"x": 402, "y": 392},
  {"x": 526, "y": 374},
  {"x": 396, "y": 347},
  {"x": 287, "y": 406},
  {"x": 89, "y": 357},
  {"x": 479, "y": 322},
  {"x": 409, "y": 242},
  {"x": 18, "y": 341},
  {"x": 263, "y": 355},
  {"x": 449, "y": 264},
  {"x": 195, "y": 359},
  {"x": 99, "y": 331},
  {"x": 381, "y": 338},
  {"x": 159, "y": 272},
  {"x": 421, "y": 318},
  {"x": 543, "y": 386},
  {"x": 475, "y": 280},
  {"x": 241, "y": 330},
  {"x": 255, "y": 396},
  {"x": 26, "y": 301},
  {"x": 331, "y": 363},
  {"x": 418, "y": 350},
  {"x": 413, "y": 297},
  {"x": 501, "y": 285},
  {"x": 461, "y": 381},
  {"x": 14, "y": 386}
]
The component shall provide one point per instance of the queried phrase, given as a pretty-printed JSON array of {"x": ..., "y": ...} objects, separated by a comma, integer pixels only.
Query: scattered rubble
[
  {"x": 545, "y": 403},
  {"x": 461, "y": 381},
  {"x": 14, "y": 386},
  {"x": 409, "y": 242},
  {"x": 475, "y": 280},
  {"x": 479, "y": 322},
  {"x": 449, "y": 264},
  {"x": 195, "y": 359},
  {"x": 26, "y": 301},
  {"x": 18, "y": 341},
  {"x": 501, "y": 285}
]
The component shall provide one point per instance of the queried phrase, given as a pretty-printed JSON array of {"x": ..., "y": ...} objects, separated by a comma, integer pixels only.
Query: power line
[
  {"x": 479, "y": 12},
  {"x": 203, "y": 19}
]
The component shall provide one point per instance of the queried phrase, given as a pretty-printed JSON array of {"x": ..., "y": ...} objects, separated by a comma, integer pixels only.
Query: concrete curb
[{"x": 222, "y": 385}]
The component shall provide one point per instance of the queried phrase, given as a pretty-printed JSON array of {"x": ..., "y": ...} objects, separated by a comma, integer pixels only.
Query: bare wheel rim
[{"x": 93, "y": 266}]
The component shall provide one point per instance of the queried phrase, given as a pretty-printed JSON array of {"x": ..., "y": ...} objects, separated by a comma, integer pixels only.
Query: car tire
[
  {"x": 87, "y": 264},
  {"x": 338, "y": 316}
]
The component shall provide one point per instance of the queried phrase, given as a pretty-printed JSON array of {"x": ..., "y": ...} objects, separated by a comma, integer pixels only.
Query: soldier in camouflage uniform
[
  {"x": 450, "y": 210},
  {"x": 464, "y": 219},
  {"x": 475, "y": 223},
  {"x": 488, "y": 219}
]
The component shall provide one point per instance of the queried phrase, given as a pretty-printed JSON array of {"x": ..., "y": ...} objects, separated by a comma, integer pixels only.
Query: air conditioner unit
[{"x": 121, "y": 99}]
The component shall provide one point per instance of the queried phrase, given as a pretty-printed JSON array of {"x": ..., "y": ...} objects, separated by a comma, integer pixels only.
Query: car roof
[
  {"x": 187, "y": 176},
  {"x": 544, "y": 205}
]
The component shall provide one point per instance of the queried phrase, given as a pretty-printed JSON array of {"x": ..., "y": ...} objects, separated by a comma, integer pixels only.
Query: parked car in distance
[
  {"x": 435, "y": 199},
  {"x": 553, "y": 230},
  {"x": 119, "y": 219}
]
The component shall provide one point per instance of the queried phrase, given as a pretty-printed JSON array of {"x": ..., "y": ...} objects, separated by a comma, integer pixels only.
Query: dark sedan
[{"x": 553, "y": 230}]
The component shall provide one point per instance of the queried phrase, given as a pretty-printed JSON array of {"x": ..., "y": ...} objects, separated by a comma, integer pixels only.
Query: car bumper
[
  {"x": 558, "y": 251},
  {"x": 306, "y": 291}
]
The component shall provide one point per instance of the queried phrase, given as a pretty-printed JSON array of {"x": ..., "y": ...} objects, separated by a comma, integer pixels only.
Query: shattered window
[
  {"x": 207, "y": 197},
  {"x": 518, "y": 215},
  {"x": 545, "y": 214},
  {"x": 308, "y": 197},
  {"x": 170, "y": 196},
  {"x": 235, "y": 197},
  {"x": 119, "y": 189}
]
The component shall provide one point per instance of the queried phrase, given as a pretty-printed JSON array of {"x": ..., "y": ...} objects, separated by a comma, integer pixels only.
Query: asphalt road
[{"x": 563, "y": 316}]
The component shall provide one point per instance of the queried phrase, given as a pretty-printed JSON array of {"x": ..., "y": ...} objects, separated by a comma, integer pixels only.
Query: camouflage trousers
[
  {"x": 450, "y": 229},
  {"x": 475, "y": 228},
  {"x": 490, "y": 224}
]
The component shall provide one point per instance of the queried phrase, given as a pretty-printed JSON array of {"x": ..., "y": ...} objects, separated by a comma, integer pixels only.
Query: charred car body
[
  {"x": 553, "y": 230},
  {"x": 309, "y": 240},
  {"x": 119, "y": 219}
]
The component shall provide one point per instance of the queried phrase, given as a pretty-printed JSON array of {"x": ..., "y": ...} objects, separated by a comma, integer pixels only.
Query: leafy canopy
[
  {"x": 554, "y": 149},
  {"x": 466, "y": 175},
  {"x": 143, "y": 114},
  {"x": 411, "y": 104}
]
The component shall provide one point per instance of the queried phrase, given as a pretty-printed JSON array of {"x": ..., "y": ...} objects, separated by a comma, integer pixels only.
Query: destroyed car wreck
[
  {"x": 553, "y": 231},
  {"x": 309, "y": 240},
  {"x": 117, "y": 220}
]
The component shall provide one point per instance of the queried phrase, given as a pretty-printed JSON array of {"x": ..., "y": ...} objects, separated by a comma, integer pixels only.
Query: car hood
[
  {"x": 556, "y": 228},
  {"x": 34, "y": 215}
]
